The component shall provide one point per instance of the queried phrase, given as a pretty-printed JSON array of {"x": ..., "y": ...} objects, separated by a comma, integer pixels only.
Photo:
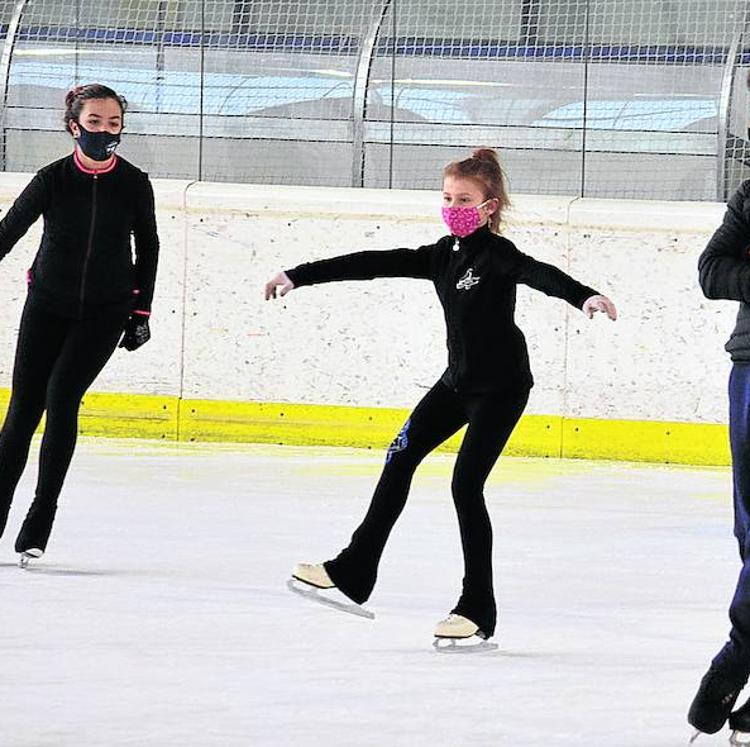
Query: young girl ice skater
[
  {"x": 85, "y": 290},
  {"x": 486, "y": 385}
]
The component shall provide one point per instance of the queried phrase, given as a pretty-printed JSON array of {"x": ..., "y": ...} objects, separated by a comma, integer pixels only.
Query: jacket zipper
[{"x": 89, "y": 245}]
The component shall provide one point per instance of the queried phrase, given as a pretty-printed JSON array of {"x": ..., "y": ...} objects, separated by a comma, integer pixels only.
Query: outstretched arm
[
  {"x": 554, "y": 282},
  {"x": 724, "y": 265},
  {"x": 411, "y": 263}
]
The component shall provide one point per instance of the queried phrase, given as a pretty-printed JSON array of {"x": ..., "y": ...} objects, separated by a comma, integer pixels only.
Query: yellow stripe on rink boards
[
  {"x": 646, "y": 441},
  {"x": 267, "y": 422},
  {"x": 168, "y": 418},
  {"x": 129, "y": 415},
  {"x": 335, "y": 425},
  {"x": 122, "y": 415}
]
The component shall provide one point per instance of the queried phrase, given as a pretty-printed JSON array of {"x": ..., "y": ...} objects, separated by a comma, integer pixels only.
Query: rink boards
[
  {"x": 154, "y": 417},
  {"x": 342, "y": 364}
]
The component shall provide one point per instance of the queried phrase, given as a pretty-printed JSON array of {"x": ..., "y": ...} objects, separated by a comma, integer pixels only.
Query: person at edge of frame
[
  {"x": 475, "y": 272},
  {"x": 724, "y": 273},
  {"x": 86, "y": 292}
]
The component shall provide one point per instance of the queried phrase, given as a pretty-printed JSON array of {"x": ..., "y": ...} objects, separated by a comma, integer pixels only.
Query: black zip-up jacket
[
  {"x": 724, "y": 268},
  {"x": 475, "y": 279},
  {"x": 85, "y": 261}
]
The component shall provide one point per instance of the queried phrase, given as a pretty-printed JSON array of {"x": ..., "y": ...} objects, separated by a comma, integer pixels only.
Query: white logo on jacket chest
[{"x": 468, "y": 281}]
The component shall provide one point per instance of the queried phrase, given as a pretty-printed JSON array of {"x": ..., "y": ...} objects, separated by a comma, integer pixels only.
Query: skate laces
[{"x": 451, "y": 618}]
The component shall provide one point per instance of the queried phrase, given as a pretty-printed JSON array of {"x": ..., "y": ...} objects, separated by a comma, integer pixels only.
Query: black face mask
[{"x": 97, "y": 145}]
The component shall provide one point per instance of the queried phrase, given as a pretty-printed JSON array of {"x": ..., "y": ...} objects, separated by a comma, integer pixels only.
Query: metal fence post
[
  {"x": 725, "y": 103},
  {"x": 359, "y": 96},
  {"x": 5, "y": 60}
]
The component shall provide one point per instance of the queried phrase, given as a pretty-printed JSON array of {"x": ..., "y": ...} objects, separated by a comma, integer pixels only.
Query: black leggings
[
  {"x": 491, "y": 419},
  {"x": 57, "y": 359}
]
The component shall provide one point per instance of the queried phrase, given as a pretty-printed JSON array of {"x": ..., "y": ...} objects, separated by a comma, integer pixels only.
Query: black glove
[{"x": 136, "y": 332}]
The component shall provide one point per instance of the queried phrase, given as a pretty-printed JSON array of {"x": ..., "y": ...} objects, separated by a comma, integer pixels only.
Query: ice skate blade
[
  {"x": 472, "y": 645},
  {"x": 325, "y": 597},
  {"x": 31, "y": 554},
  {"x": 739, "y": 738}
]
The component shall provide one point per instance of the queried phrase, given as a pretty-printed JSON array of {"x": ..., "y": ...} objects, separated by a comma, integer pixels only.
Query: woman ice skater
[
  {"x": 475, "y": 272},
  {"x": 85, "y": 294}
]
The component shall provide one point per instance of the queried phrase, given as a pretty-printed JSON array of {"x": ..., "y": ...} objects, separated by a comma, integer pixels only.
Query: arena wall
[{"x": 343, "y": 363}]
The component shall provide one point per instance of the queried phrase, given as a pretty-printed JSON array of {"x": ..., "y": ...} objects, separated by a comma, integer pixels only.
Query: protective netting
[
  {"x": 278, "y": 90},
  {"x": 734, "y": 124},
  {"x": 597, "y": 98},
  {"x": 633, "y": 98},
  {"x": 654, "y": 96}
]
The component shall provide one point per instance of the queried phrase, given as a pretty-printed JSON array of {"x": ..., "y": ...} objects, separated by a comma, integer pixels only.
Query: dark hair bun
[
  {"x": 486, "y": 154},
  {"x": 70, "y": 96}
]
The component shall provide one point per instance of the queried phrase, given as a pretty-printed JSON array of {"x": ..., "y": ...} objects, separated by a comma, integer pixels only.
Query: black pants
[
  {"x": 491, "y": 419},
  {"x": 57, "y": 359}
]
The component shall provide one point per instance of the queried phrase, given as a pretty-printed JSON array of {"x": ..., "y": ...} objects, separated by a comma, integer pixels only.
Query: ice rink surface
[{"x": 160, "y": 618}]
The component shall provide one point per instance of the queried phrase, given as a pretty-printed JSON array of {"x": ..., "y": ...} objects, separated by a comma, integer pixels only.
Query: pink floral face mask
[{"x": 462, "y": 221}]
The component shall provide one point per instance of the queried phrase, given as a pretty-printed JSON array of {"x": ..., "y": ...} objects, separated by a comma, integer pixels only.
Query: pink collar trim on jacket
[{"x": 87, "y": 170}]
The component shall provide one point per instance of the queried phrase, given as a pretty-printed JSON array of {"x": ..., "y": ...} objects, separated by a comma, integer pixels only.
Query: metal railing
[{"x": 580, "y": 96}]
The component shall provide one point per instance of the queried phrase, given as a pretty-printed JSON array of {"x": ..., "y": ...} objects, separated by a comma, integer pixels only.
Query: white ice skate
[
  {"x": 459, "y": 635},
  {"x": 33, "y": 553},
  {"x": 313, "y": 582},
  {"x": 739, "y": 724},
  {"x": 736, "y": 738}
]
